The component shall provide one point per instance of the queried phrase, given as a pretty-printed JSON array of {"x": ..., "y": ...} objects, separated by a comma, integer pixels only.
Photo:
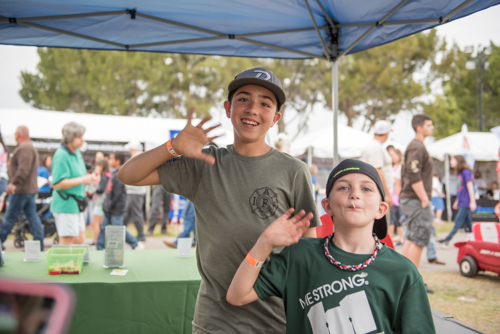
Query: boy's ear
[
  {"x": 325, "y": 203},
  {"x": 227, "y": 106},
  {"x": 382, "y": 210},
  {"x": 277, "y": 117}
]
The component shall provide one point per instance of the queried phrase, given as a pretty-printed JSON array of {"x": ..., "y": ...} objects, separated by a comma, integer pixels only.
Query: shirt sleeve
[
  {"x": 413, "y": 165},
  {"x": 467, "y": 177},
  {"x": 182, "y": 175},
  {"x": 414, "y": 312},
  {"x": 272, "y": 278},
  {"x": 25, "y": 160},
  {"x": 59, "y": 169},
  {"x": 304, "y": 199}
]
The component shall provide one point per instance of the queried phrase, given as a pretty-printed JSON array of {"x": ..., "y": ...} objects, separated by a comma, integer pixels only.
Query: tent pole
[
  {"x": 335, "y": 108},
  {"x": 447, "y": 182}
]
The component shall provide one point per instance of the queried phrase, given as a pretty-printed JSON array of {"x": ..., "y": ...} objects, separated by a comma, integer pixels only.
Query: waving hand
[{"x": 190, "y": 141}]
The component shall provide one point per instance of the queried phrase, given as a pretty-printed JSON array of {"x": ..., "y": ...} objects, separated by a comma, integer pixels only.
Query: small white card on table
[{"x": 32, "y": 250}]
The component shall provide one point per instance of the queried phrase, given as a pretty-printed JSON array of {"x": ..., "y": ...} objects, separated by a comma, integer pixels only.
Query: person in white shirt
[
  {"x": 481, "y": 185},
  {"x": 437, "y": 198},
  {"x": 375, "y": 155}
]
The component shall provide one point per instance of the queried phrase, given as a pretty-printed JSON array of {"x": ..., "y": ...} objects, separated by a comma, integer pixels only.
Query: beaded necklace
[{"x": 378, "y": 246}]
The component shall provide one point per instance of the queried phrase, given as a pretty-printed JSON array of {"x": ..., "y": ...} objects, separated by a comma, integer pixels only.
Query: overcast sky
[{"x": 479, "y": 28}]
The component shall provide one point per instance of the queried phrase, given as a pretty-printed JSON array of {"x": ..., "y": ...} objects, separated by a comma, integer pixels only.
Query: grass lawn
[{"x": 472, "y": 301}]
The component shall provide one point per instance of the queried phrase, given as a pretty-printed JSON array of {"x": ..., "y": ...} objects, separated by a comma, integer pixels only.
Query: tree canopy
[
  {"x": 373, "y": 84},
  {"x": 459, "y": 102}
]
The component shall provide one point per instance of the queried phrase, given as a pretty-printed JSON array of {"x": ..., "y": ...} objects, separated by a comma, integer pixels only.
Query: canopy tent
[
  {"x": 326, "y": 29},
  {"x": 319, "y": 144},
  {"x": 44, "y": 124},
  {"x": 483, "y": 145}
]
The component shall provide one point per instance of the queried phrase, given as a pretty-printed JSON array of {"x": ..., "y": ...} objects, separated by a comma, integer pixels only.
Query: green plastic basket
[{"x": 65, "y": 260}]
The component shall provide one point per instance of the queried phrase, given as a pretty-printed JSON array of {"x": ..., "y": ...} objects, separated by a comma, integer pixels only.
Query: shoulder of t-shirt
[
  {"x": 289, "y": 159},
  {"x": 468, "y": 174},
  {"x": 305, "y": 246},
  {"x": 404, "y": 264}
]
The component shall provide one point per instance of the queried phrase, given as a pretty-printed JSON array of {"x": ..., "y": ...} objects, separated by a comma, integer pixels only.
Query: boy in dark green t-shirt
[{"x": 348, "y": 282}]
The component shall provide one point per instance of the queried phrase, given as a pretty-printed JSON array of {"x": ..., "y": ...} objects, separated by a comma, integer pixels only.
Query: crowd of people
[
  {"x": 249, "y": 201},
  {"x": 80, "y": 194}
]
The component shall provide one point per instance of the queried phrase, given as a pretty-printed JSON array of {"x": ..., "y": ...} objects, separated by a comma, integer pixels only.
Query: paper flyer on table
[
  {"x": 32, "y": 250},
  {"x": 119, "y": 272},
  {"x": 114, "y": 253}
]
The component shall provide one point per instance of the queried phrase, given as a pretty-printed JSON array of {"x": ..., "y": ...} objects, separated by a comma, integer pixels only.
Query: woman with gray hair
[{"x": 69, "y": 177}]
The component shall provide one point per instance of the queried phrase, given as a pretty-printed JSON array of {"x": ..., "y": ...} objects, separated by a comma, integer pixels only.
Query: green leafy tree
[
  {"x": 376, "y": 83},
  {"x": 459, "y": 103},
  {"x": 124, "y": 83},
  {"x": 379, "y": 82}
]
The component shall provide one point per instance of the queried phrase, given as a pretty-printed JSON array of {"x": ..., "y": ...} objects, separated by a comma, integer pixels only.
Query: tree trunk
[
  {"x": 134, "y": 104},
  {"x": 281, "y": 122}
]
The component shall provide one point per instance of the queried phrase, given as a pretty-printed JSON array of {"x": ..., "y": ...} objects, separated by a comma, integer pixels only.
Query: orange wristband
[
  {"x": 253, "y": 262},
  {"x": 171, "y": 149}
]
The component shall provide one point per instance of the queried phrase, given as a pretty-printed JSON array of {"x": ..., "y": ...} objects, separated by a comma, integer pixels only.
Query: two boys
[
  {"x": 334, "y": 285},
  {"x": 245, "y": 189}
]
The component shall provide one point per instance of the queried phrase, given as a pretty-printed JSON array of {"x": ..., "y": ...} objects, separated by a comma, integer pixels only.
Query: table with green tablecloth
[{"x": 157, "y": 295}]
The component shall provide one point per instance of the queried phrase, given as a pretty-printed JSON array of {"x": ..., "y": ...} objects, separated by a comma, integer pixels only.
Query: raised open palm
[
  {"x": 190, "y": 141},
  {"x": 284, "y": 231}
]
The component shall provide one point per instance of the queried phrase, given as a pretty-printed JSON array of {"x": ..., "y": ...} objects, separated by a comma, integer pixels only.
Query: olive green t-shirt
[
  {"x": 67, "y": 165},
  {"x": 235, "y": 200},
  {"x": 387, "y": 297}
]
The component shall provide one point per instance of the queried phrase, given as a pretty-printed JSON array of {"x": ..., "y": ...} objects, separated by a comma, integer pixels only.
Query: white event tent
[
  {"x": 484, "y": 146},
  {"x": 351, "y": 143},
  {"x": 47, "y": 125}
]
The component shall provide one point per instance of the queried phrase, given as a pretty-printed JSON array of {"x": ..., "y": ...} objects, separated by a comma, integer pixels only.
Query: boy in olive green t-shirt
[{"x": 237, "y": 191}]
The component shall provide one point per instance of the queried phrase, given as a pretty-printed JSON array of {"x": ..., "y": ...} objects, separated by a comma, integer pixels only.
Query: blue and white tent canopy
[{"x": 258, "y": 28}]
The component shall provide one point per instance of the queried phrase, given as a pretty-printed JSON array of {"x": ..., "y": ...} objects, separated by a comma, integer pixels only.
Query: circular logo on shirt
[{"x": 264, "y": 202}]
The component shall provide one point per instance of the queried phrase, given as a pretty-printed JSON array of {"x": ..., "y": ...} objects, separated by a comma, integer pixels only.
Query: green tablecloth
[{"x": 157, "y": 295}]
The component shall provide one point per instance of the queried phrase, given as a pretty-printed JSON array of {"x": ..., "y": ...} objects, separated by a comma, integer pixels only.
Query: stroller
[{"x": 48, "y": 222}]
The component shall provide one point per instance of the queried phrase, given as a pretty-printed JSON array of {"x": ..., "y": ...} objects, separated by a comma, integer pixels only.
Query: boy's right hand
[
  {"x": 285, "y": 232},
  {"x": 190, "y": 141}
]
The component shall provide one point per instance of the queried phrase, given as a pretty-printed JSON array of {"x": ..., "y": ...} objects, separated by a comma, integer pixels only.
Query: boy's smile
[
  {"x": 252, "y": 112},
  {"x": 354, "y": 201}
]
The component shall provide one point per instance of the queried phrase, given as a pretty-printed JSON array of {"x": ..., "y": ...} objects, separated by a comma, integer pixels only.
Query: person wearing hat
[
  {"x": 347, "y": 282},
  {"x": 135, "y": 198},
  {"x": 237, "y": 192},
  {"x": 375, "y": 155}
]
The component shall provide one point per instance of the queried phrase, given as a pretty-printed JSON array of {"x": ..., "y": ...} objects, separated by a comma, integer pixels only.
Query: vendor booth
[
  {"x": 483, "y": 147},
  {"x": 106, "y": 133}
]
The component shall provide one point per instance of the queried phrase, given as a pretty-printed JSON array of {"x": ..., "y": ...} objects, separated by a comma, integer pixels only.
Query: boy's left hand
[{"x": 285, "y": 232}]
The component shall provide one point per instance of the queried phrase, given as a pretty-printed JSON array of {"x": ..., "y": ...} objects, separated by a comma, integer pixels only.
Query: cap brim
[
  {"x": 380, "y": 227},
  {"x": 237, "y": 83}
]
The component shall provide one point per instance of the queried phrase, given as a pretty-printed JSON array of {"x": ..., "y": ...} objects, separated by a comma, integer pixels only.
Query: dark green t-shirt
[{"x": 386, "y": 297}]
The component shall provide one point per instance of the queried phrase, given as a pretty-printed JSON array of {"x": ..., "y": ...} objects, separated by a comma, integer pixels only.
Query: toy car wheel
[{"x": 468, "y": 266}]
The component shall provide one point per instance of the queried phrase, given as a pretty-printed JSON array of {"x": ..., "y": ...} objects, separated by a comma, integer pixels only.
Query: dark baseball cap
[
  {"x": 350, "y": 166},
  {"x": 261, "y": 77}
]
